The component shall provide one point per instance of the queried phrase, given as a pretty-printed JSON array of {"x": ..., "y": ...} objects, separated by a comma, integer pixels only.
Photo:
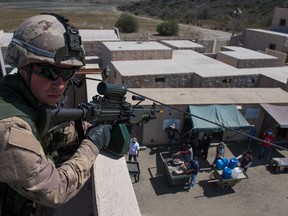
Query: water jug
[
  {"x": 225, "y": 161},
  {"x": 227, "y": 172},
  {"x": 233, "y": 163},
  {"x": 219, "y": 164},
  {"x": 236, "y": 172}
]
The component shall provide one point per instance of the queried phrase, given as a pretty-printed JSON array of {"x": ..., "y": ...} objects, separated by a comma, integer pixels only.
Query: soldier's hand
[{"x": 99, "y": 135}]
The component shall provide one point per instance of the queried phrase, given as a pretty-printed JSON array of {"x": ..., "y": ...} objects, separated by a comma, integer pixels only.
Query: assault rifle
[{"x": 111, "y": 108}]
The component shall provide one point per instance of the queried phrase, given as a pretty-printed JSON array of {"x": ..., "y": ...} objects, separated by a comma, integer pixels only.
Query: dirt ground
[{"x": 263, "y": 193}]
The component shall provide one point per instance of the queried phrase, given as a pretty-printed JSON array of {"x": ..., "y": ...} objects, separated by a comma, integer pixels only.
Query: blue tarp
[{"x": 217, "y": 115}]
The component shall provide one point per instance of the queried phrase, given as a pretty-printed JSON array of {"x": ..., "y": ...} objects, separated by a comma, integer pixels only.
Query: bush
[
  {"x": 127, "y": 23},
  {"x": 168, "y": 28}
]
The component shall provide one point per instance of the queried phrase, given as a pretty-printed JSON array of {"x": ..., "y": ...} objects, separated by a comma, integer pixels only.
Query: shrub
[
  {"x": 127, "y": 23},
  {"x": 168, "y": 28}
]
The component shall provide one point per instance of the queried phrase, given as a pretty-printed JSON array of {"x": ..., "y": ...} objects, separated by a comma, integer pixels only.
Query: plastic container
[
  {"x": 227, "y": 172},
  {"x": 236, "y": 172},
  {"x": 226, "y": 161},
  {"x": 233, "y": 163},
  {"x": 219, "y": 164}
]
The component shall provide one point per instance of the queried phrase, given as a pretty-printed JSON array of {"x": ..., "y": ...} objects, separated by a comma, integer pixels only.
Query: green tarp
[{"x": 223, "y": 115}]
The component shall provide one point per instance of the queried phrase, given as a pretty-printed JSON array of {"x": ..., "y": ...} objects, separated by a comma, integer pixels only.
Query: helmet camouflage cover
[{"x": 46, "y": 38}]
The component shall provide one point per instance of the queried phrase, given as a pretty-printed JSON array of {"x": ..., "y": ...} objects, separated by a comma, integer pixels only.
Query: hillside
[{"x": 213, "y": 14}]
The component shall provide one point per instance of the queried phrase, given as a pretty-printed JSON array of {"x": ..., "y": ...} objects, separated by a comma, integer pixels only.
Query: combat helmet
[{"x": 46, "y": 38}]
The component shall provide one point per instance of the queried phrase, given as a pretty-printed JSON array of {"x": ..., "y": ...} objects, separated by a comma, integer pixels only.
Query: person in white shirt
[{"x": 133, "y": 149}]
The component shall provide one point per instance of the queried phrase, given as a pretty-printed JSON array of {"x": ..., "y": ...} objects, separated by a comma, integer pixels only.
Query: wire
[{"x": 190, "y": 114}]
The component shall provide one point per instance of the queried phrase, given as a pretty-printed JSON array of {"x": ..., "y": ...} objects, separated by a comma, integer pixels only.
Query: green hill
[{"x": 214, "y": 14}]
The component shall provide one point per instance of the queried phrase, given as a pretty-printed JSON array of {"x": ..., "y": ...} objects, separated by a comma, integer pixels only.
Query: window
[
  {"x": 160, "y": 79},
  {"x": 282, "y": 22},
  {"x": 272, "y": 46},
  {"x": 227, "y": 80}
]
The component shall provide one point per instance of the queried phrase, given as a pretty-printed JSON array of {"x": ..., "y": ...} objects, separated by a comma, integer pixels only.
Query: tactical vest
[
  {"x": 12, "y": 203},
  {"x": 11, "y": 89},
  {"x": 17, "y": 100}
]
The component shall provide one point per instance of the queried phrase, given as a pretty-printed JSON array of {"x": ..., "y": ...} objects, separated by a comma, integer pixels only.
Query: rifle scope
[{"x": 109, "y": 89}]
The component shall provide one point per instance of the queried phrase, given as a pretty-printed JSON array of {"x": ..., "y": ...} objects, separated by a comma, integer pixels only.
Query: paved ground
[{"x": 263, "y": 193}]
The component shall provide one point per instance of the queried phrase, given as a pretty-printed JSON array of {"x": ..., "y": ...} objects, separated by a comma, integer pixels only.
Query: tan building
[
  {"x": 280, "y": 20},
  {"x": 275, "y": 39}
]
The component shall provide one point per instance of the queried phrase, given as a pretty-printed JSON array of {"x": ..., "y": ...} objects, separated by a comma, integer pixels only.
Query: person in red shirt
[{"x": 266, "y": 143}]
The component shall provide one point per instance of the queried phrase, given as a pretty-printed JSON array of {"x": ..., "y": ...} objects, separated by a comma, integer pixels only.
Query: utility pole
[{"x": 235, "y": 16}]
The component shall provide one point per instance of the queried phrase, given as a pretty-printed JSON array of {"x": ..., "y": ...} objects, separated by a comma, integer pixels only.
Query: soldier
[{"x": 47, "y": 52}]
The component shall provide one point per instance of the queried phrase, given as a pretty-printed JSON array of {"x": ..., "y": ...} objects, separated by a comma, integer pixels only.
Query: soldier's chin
[{"x": 52, "y": 100}]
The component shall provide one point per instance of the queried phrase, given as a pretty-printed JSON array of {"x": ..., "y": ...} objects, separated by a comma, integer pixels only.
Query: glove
[{"x": 99, "y": 135}]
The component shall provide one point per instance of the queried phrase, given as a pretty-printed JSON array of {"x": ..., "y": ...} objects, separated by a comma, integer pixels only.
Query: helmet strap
[{"x": 28, "y": 69}]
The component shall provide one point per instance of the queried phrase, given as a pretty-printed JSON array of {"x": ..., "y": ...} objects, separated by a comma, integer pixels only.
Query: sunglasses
[{"x": 53, "y": 73}]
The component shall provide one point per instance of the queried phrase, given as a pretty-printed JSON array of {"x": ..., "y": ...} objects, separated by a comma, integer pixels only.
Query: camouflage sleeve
[
  {"x": 24, "y": 166},
  {"x": 71, "y": 134}
]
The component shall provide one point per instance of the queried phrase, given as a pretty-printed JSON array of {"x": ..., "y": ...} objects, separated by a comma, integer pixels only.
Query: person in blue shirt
[{"x": 193, "y": 169}]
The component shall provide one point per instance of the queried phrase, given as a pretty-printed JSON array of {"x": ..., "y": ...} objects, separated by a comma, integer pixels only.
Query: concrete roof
[
  {"x": 268, "y": 32},
  {"x": 98, "y": 35},
  {"x": 135, "y": 45},
  {"x": 201, "y": 96},
  {"x": 243, "y": 53},
  {"x": 183, "y": 61},
  {"x": 5, "y": 38},
  {"x": 189, "y": 61},
  {"x": 86, "y": 35},
  {"x": 182, "y": 44}
]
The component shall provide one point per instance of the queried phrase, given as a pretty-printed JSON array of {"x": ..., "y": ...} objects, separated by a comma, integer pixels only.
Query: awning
[
  {"x": 278, "y": 113},
  {"x": 217, "y": 115}
]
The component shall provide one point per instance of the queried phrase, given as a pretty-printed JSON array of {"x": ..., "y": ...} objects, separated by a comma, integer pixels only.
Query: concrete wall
[
  {"x": 243, "y": 81},
  {"x": 246, "y": 63},
  {"x": 154, "y": 133},
  {"x": 258, "y": 40},
  {"x": 140, "y": 55},
  {"x": 280, "y": 55},
  {"x": 268, "y": 82},
  {"x": 92, "y": 48},
  {"x": 212, "y": 46},
  {"x": 280, "y": 13},
  {"x": 177, "y": 80}
]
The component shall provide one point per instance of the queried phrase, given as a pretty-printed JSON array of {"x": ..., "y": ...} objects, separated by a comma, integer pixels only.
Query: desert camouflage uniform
[{"x": 24, "y": 165}]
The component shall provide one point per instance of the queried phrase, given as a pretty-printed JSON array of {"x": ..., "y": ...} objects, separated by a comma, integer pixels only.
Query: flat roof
[
  {"x": 135, "y": 45},
  {"x": 268, "y": 32},
  {"x": 86, "y": 35},
  {"x": 189, "y": 61},
  {"x": 183, "y": 61},
  {"x": 182, "y": 44},
  {"x": 5, "y": 38},
  {"x": 98, "y": 34},
  {"x": 202, "y": 96},
  {"x": 243, "y": 53}
]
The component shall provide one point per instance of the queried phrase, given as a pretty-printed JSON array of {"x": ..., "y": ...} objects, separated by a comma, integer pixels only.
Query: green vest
[{"x": 16, "y": 100}]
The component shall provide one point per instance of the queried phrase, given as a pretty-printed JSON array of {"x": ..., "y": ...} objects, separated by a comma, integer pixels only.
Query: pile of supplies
[{"x": 229, "y": 167}]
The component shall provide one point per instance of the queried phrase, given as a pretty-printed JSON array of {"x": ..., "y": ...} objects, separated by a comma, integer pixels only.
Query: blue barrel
[
  {"x": 233, "y": 163},
  {"x": 225, "y": 161},
  {"x": 227, "y": 172},
  {"x": 219, "y": 164}
]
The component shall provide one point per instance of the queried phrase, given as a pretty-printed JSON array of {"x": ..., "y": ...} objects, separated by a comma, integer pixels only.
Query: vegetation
[
  {"x": 214, "y": 14},
  {"x": 127, "y": 23},
  {"x": 168, "y": 28}
]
